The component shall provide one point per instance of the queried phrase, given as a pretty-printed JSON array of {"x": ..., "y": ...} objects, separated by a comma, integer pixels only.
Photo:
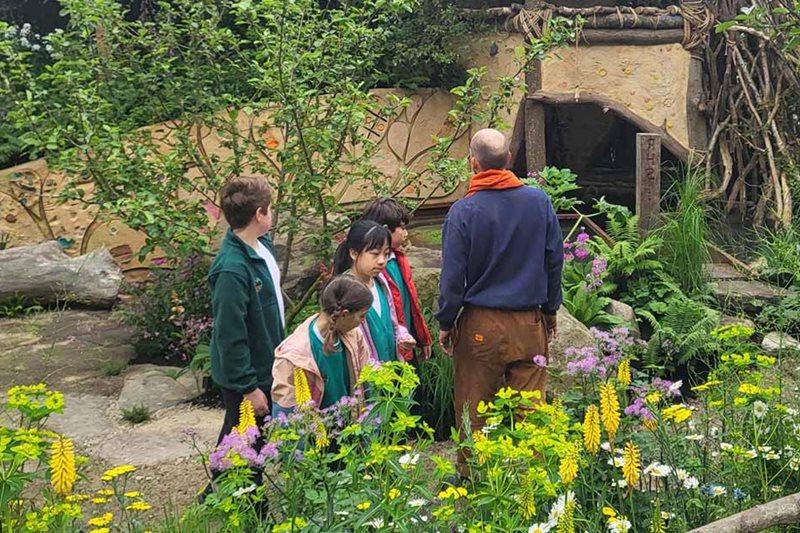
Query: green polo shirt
[{"x": 247, "y": 321}]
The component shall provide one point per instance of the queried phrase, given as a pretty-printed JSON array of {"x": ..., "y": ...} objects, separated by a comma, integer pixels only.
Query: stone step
[{"x": 748, "y": 296}]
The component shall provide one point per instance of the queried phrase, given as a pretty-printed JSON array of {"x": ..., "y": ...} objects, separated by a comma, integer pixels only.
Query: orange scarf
[{"x": 493, "y": 179}]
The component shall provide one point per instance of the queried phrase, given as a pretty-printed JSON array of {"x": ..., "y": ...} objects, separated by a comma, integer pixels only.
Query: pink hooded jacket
[{"x": 295, "y": 352}]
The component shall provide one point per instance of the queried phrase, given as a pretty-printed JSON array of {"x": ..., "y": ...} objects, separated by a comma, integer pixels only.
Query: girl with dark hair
[
  {"x": 328, "y": 347},
  {"x": 364, "y": 254}
]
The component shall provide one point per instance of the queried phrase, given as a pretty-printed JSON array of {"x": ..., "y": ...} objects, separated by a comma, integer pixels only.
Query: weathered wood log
[
  {"x": 783, "y": 511},
  {"x": 607, "y": 104},
  {"x": 43, "y": 274},
  {"x": 631, "y": 37}
]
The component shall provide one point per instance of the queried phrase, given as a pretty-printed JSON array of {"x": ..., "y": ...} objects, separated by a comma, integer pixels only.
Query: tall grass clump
[
  {"x": 781, "y": 253},
  {"x": 685, "y": 231}
]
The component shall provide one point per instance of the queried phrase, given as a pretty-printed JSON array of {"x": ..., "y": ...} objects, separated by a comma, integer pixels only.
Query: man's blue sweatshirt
[{"x": 501, "y": 249}]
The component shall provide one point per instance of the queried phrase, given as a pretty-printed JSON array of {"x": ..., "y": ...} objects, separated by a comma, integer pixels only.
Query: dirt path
[{"x": 77, "y": 353}]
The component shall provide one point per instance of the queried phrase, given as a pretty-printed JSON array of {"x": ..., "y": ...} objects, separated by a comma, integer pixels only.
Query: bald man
[{"x": 501, "y": 281}]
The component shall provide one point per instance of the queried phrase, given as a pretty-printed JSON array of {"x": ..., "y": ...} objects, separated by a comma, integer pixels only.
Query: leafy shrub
[
  {"x": 583, "y": 284},
  {"x": 557, "y": 183},
  {"x": 172, "y": 314},
  {"x": 781, "y": 254},
  {"x": 783, "y": 317}
]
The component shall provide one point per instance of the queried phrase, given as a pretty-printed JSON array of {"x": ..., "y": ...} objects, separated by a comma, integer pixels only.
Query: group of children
[{"x": 369, "y": 310}]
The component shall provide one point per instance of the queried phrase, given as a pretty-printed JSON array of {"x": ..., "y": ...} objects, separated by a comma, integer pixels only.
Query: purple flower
[
  {"x": 581, "y": 253},
  {"x": 670, "y": 388},
  {"x": 540, "y": 360},
  {"x": 582, "y": 237},
  {"x": 235, "y": 443},
  {"x": 639, "y": 408}
]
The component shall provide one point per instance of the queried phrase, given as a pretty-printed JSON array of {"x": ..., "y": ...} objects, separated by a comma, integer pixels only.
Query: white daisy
[
  {"x": 724, "y": 446},
  {"x": 681, "y": 474},
  {"x": 695, "y": 437},
  {"x": 542, "y": 527},
  {"x": 606, "y": 446},
  {"x": 243, "y": 491},
  {"x": 417, "y": 502},
  {"x": 377, "y": 523},
  {"x": 760, "y": 409},
  {"x": 657, "y": 470},
  {"x": 408, "y": 460},
  {"x": 691, "y": 483},
  {"x": 772, "y": 456},
  {"x": 620, "y": 483}
]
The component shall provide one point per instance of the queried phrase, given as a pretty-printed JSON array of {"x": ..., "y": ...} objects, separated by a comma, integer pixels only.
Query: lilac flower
[
  {"x": 581, "y": 253},
  {"x": 670, "y": 388},
  {"x": 540, "y": 360},
  {"x": 268, "y": 451},
  {"x": 582, "y": 237},
  {"x": 235, "y": 443},
  {"x": 639, "y": 408}
]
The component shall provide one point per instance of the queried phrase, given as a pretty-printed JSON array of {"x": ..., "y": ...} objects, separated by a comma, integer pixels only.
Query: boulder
[
  {"x": 427, "y": 282},
  {"x": 43, "y": 274},
  {"x": 156, "y": 387},
  {"x": 627, "y": 314},
  {"x": 776, "y": 342},
  {"x": 728, "y": 320}
]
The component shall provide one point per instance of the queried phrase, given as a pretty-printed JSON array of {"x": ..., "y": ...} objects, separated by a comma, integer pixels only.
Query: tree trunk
[
  {"x": 783, "y": 511},
  {"x": 43, "y": 274}
]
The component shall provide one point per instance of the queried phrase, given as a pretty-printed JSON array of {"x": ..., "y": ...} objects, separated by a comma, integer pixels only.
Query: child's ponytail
[{"x": 342, "y": 293}]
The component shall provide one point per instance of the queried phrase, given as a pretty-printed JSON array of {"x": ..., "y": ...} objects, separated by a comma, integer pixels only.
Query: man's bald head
[{"x": 489, "y": 149}]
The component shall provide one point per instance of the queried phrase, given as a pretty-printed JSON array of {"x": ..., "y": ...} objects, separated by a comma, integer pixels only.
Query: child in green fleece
[{"x": 246, "y": 301}]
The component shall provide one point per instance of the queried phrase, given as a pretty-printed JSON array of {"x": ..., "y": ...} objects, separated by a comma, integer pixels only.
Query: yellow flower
[
  {"x": 117, "y": 471},
  {"x": 765, "y": 360},
  {"x": 566, "y": 524},
  {"x": 678, "y": 412},
  {"x": 453, "y": 493},
  {"x": 650, "y": 424},
  {"x": 99, "y": 501},
  {"x": 247, "y": 416},
  {"x": 100, "y": 521},
  {"x": 363, "y": 506},
  {"x": 105, "y": 492},
  {"x": 74, "y": 498},
  {"x": 609, "y": 408},
  {"x": 393, "y": 493},
  {"x": 608, "y": 511},
  {"x": 749, "y": 388},
  {"x": 653, "y": 398},
  {"x": 632, "y": 460},
  {"x": 321, "y": 439},
  {"x": 302, "y": 392},
  {"x": 139, "y": 506},
  {"x": 707, "y": 385},
  {"x": 62, "y": 466},
  {"x": 624, "y": 372},
  {"x": 527, "y": 494},
  {"x": 591, "y": 429},
  {"x": 100, "y": 530},
  {"x": 133, "y": 494},
  {"x": 568, "y": 469}
]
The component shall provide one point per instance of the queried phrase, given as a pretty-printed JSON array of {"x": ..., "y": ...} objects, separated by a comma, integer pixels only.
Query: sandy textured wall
[{"x": 30, "y": 211}]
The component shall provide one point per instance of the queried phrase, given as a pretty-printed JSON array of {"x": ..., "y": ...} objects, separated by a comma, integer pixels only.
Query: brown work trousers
[{"x": 493, "y": 349}]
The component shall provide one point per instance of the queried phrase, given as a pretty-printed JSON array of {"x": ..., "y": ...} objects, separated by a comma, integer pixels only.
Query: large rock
[
  {"x": 734, "y": 295},
  {"x": 45, "y": 275},
  {"x": 156, "y": 387},
  {"x": 776, "y": 342},
  {"x": 728, "y": 320},
  {"x": 628, "y": 316}
]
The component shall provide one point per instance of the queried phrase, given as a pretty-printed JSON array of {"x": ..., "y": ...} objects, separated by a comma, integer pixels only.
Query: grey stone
[
  {"x": 84, "y": 417},
  {"x": 746, "y": 296},
  {"x": 775, "y": 342},
  {"x": 627, "y": 314},
  {"x": 727, "y": 320},
  {"x": 156, "y": 387}
]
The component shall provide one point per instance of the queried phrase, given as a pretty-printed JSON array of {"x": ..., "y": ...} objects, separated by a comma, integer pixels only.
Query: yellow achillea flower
[
  {"x": 591, "y": 429},
  {"x": 393, "y": 494},
  {"x": 62, "y": 466},
  {"x": 247, "y": 416},
  {"x": 632, "y": 461},
  {"x": 363, "y": 506},
  {"x": 650, "y": 424},
  {"x": 105, "y": 492},
  {"x": 117, "y": 471},
  {"x": 101, "y": 521},
  {"x": 609, "y": 408},
  {"x": 133, "y": 494},
  {"x": 679, "y": 413},
  {"x": 138, "y": 506},
  {"x": 624, "y": 372},
  {"x": 302, "y": 392},
  {"x": 453, "y": 493},
  {"x": 707, "y": 385},
  {"x": 568, "y": 469}
]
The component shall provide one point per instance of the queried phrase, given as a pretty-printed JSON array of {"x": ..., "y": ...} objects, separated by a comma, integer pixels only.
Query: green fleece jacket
[{"x": 247, "y": 322}]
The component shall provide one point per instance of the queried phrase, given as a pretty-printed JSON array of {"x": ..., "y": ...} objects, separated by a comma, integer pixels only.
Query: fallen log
[
  {"x": 783, "y": 511},
  {"x": 43, "y": 274}
]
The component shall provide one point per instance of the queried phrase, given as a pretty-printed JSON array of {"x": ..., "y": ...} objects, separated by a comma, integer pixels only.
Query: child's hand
[
  {"x": 425, "y": 353},
  {"x": 406, "y": 343},
  {"x": 259, "y": 401}
]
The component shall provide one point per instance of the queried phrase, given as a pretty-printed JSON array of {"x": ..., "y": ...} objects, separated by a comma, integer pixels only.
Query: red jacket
[{"x": 423, "y": 335}]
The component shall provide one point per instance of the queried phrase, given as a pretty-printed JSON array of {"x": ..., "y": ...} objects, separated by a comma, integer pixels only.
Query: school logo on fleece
[{"x": 259, "y": 284}]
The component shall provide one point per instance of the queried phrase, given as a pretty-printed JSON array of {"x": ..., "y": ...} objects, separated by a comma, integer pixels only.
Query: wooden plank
[
  {"x": 648, "y": 179},
  {"x": 535, "y": 150},
  {"x": 631, "y": 37}
]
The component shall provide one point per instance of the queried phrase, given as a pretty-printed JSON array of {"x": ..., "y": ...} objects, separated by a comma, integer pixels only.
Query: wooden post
[
  {"x": 535, "y": 150},
  {"x": 648, "y": 179}
]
